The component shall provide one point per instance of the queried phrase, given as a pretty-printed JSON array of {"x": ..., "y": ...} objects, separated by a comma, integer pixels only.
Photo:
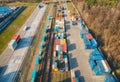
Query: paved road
[
  {"x": 78, "y": 55},
  {"x": 16, "y": 59}
]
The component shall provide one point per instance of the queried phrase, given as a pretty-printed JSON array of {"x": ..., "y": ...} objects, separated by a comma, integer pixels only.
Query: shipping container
[
  {"x": 73, "y": 79},
  {"x": 37, "y": 60},
  {"x": 50, "y": 17},
  {"x": 95, "y": 55},
  {"x": 17, "y": 38},
  {"x": 73, "y": 76},
  {"x": 63, "y": 41},
  {"x": 96, "y": 70},
  {"x": 103, "y": 66},
  {"x": 61, "y": 70},
  {"x": 54, "y": 47},
  {"x": 40, "y": 53},
  {"x": 57, "y": 47},
  {"x": 64, "y": 47},
  {"x": 42, "y": 45},
  {"x": 94, "y": 43},
  {"x": 57, "y": 28},
  {"x": 92, "y": 63},
  {"x": 12, "y": 45},
  {"x": 77, "y": 79},
  {"x": 56, "y": 70},
  {"x": 89, "y": 36},
  {"x": 54, "y": 54},
  {"x": 110, "y": 78},
  {"x": 33, "y": 80},
  {"x": 57, "y": 41},
  {"x": 87, "y": 43},
  {"x": 81, "y": 34},
  {"x": 34, "y": 73},
  {"x": 66, "y": 62}
]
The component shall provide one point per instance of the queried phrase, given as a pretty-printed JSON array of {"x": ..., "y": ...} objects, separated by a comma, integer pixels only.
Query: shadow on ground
[
  {"x": 25, "y": 42},
  {"x": 71, "y": 46}
]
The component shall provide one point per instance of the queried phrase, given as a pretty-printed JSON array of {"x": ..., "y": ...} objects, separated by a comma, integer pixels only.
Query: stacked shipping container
[
  {"x": 14, "y": 42},
  {"x": 60, "y": 58},
  {"x": 96, "y": 59}
]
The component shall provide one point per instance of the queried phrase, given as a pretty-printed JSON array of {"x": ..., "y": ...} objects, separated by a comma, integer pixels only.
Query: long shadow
[
  {"x": 81, "y": 79},
  {"x": 7, "y": 77},
  {"x": 71, "y": 46},
  {"x": 2, "y": 70},
  {"x": 25, "y": 42},
  {"x": 77, "y": 73},
  {"x": 73, "y": 61}
]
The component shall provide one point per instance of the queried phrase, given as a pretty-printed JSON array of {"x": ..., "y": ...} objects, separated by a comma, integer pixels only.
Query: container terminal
[{"x": 66, "y": 51}]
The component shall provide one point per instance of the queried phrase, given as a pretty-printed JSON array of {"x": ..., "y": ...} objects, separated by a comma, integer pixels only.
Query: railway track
[{"x": 44, "y": 69}]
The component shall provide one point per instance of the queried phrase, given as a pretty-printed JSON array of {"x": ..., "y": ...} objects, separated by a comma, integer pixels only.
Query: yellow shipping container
[
  {"x": 63, "y": 41},
  {"x": 56, "y": 70}
]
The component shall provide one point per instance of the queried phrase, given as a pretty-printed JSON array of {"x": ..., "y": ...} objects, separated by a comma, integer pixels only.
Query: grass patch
[{"x": 14, "y": 27}]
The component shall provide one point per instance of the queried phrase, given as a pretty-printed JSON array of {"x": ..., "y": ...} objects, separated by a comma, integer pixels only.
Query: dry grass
[{"x": 104, "y": 22}]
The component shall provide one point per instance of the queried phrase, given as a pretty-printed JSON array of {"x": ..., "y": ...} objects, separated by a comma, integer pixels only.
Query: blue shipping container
[
  {"x": 94, "y": 56},
  {"x": 87, "y": 43},
  {"x": 37, "y": 61},
  {"x": 103, "y": 67},
  {"x": 110, "y": 78},
  {"x": 94, "y": 43},
  {"x": 77, "y": 79},
  {"x": 92, "y": 64},
  {"x": 33, "y": 80},
  {"x": 40, "y": 53},
  {"x": 34, "y": 73}
]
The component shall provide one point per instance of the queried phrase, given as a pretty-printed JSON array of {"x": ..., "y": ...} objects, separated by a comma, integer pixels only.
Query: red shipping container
[
  {"x": 61, "y": 55},
  {"x": 89, "y": 36},
  {"x": 83, "y": 32},
  {"x": 16, "y": 38},
  {"x": 64, "y": 47},
  {"x": 57, "y": 42},
  {"x": 73, "y": 79},
  {"x": 54, "y": 47}
]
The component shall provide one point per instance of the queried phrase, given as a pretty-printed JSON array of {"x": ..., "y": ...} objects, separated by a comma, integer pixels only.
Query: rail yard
[{"x": 66, "y": 51}]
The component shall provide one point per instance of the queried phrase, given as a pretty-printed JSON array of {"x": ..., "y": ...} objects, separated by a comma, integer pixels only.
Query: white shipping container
[
  {"x": 12, "y": 45},
  {"x": 106, "y": 66},
  {"x": 66, "y": 64},
  {"x": 53, "y": 67},
  {"x": 57, "y": 47},
  {"x": 54, "y": 54},
  {"x": 72, "y": 74}
]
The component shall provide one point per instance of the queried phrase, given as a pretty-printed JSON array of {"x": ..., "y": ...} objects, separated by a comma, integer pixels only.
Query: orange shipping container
[
  {"x": 57, "y": 42},
  {"x": 73, "y": 79},
  {"x": 64, "y": 47},
  {"x": 54, "y": 47},
  {"x": 63, "y": 41},
  {"x": 89, "y": 36}
]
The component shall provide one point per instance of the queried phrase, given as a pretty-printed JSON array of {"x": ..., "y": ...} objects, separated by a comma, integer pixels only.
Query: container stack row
[
  {"x": 89, "y": 41},
  {"x": 14, "y": 42},
  {"x": 60, "y": 55},
  {"x": 6, "y": 11},
  {"x": 98, "y": 64},
  {"x": 96, "y": 60}
]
